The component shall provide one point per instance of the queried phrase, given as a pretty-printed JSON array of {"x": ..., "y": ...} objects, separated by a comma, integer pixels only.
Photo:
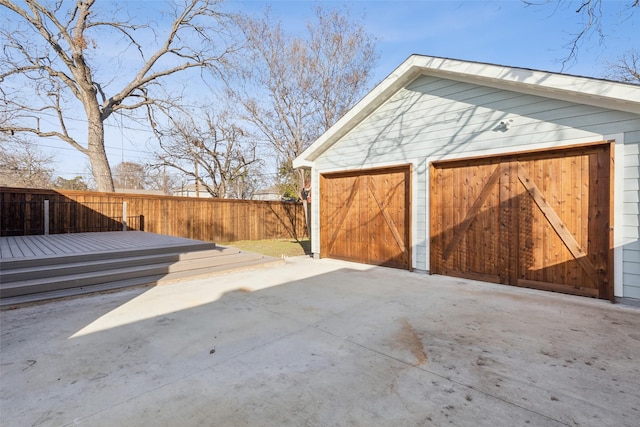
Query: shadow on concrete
[{"x": 315, "y": 345}]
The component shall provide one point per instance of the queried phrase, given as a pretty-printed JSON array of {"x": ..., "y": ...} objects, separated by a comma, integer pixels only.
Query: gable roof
[{"x": 583, "y": 90}]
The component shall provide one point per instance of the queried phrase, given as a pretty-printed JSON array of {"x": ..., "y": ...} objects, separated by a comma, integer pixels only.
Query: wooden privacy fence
[{"x": 23, "y": 212}]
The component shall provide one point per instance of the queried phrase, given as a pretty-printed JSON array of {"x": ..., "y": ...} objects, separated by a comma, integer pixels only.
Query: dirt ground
[{"x": 274, "y": 247}]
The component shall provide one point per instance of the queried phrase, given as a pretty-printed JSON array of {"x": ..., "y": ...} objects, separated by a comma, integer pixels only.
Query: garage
[
  {"x": 538, "y": 219},
  {"x": 512, "y": 178},
  {"x": 365, "y": 216}
]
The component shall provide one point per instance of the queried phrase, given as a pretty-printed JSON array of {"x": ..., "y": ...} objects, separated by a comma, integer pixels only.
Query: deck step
[
  {"x": 11, "y": 302},
  {"x": 28, "y": 280},
  {"x": 7, "y": 264},
  {"x": 45, "y": 284},
  {"x": 74, "y": 266}
]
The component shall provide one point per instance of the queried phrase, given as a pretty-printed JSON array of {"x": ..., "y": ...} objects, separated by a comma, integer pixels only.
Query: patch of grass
[{"x": 275, "y": 248}]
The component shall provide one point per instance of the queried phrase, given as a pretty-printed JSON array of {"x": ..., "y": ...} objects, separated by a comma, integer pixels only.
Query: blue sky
[{"x": 502, "y": 32}]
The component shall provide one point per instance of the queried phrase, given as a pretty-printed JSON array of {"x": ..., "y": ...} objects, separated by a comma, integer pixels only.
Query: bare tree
[
  {"x": 218, "y": 154},
  {"x": 136, "y": 176},
  {"x": 59, "y": 65},
  {"x": 293, "y": 89},
  {"x": 76, "y": 183},
  {"x": 22, "y": 164},
  {"x": 159, "y": 178},
  {"x": 130, "y": 175},
  {"x": 590, "y": 12},
  {"x": 626, "y": 68},
  {"x": 245, "y": 185}
]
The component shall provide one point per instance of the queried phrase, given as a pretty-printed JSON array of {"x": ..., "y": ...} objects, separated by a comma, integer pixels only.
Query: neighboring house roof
[
  {"x": 267, "y": 194},
  {"x": 136, "y": 191},
  {"x": 583, "y": 90},
  {"x": 189, "y": 190}
]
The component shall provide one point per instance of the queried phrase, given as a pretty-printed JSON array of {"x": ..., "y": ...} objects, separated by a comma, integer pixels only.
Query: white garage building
[{"x": 482, "y": 171}]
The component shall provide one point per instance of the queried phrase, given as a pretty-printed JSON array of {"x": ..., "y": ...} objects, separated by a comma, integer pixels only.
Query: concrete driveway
[{"x": 322, "y": 343}]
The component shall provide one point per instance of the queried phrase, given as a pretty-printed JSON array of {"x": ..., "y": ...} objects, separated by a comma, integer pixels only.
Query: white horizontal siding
[
  {"x": 631, "y": 172},
  {"x": 633, "y": 246},
  {"x": 631, "y": 220},
  {"x": 632, "y": 268},
  {"x": 631, "y": 210},
  {"x": 630, "y": 291},
  {"x": 630, "y": 233},
  {"x": 473, "y": 138},
  {"x": 632, "y": 197},
  {"x": 434, "y": 119}
]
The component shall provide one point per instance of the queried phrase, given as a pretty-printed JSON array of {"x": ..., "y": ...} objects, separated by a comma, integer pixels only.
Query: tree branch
[{"x": 39, "y": 133}]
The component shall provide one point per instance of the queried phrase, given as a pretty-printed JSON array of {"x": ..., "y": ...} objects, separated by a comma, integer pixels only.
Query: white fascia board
[
  {"x": 602, "y": 93},
  {"x": 584, "y": 90}
]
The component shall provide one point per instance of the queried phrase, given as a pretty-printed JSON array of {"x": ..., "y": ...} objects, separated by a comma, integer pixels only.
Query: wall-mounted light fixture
[{"x": 504, "y": 125}]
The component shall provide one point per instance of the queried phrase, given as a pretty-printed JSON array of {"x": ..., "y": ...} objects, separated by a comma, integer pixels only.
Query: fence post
[
  {"x": 46, "y": 217},
  {"x": 124, "y": 216}
]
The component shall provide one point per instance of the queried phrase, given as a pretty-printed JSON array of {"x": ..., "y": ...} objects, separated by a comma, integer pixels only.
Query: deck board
[
  {"x": 4, "y": 251},
  {"x": 33, "y": 247},
  {"x": 16, "y": 249},
  {"x": 42, "y": 245},
  {"x": 21, "y": 247}
]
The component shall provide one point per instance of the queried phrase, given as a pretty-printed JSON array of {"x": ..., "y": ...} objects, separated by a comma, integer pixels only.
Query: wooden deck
[
  {"x": 54, "y": 245},
  {"x": 42, "y": 268}
]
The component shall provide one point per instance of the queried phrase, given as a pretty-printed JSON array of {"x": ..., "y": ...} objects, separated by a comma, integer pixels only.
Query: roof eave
[
  {"x": 300, "y": 163},
  {"x": 585, "y": 90}
]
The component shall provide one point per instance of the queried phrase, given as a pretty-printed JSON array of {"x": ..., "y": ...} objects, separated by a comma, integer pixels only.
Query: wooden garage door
[
  {"x": 365, "y": 216},
  {"x": 539, "y": 220}
]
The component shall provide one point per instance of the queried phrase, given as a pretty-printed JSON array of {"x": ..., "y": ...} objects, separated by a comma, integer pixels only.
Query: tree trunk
[{"x": 98, "y": 156}]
